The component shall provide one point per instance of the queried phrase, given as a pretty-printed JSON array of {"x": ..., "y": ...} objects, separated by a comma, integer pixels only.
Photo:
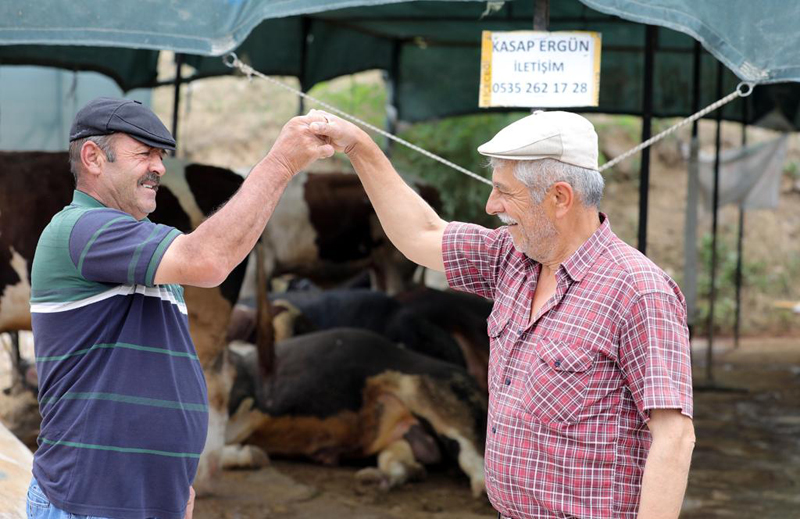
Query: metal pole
[
  {"x": 651, "y": 39},
  {"x": 541, "y": 22},
  {"x": 306, "y": 24},
  {"x": 392, "y": 81},
  {"x": 541, "y": 15},
  {"x": 177, "y": 97},
  {"x": 740, "y": 242},
  {"x": 715, "y": 212},
  {"x": 692, "y": 195}
]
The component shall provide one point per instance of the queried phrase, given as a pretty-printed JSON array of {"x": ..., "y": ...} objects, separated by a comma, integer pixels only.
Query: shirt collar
[
  {"x": 577, "y": 265},
  {"x": 81, "y": 199}
]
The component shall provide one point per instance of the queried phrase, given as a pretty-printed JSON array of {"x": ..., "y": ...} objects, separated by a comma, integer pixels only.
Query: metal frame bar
[
  {"x": 541, "y": 15},
  {"x": 651, "y": 41},
  {"x": 714, "y": 226},
  {"x": 740, "y": 240},
  {"x": 176, "y": 99}
]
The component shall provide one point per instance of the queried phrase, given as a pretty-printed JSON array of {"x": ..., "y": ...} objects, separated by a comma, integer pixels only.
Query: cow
[
  {"x": 350, "y": 393},
  {"x": 325, "y": 229},
  {"x": 446, "y": 325},
  {"x": 461, "y": 315},
  {"x": 304, "y": 311}
]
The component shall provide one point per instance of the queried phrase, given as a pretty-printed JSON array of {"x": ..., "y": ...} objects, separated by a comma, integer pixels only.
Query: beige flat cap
[{"x": 562, "y": 136}]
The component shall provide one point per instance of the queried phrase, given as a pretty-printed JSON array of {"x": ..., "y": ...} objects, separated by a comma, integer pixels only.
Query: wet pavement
[{"x": 746, "y": 461}]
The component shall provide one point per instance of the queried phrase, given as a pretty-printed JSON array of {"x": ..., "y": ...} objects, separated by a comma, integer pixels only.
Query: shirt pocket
[
  {"x": 497, "y": 329},
  {"x": 556, "y": 386}
]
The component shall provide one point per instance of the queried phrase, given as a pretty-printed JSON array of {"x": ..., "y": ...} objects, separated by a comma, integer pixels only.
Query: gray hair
[
  {"x": 539, "y": 175},
  {"x": 104, "y": 142}
]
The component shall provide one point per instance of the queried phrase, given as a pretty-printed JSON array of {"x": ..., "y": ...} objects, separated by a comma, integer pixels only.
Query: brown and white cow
[
  {"x": 350, "y": 393},
  {"x": 325, "y": 229}
]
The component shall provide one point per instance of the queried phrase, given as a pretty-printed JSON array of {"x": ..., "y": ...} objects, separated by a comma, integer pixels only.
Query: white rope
[
  {"x": 233, "y": 61},
  {"x": 744, "y": 89},
  {"x": 739, "y": 92}
]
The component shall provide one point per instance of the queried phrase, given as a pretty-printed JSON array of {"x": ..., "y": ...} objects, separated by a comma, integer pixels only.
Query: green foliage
[
  {"x": 457, "y": 140},
  {"x": 754, "y": 275},
  {"x": 792, "y": 169},
  {"x": 631, "y": 124}
]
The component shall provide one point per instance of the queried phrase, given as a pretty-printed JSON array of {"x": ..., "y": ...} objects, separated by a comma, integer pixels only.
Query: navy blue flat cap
[{"x": 105, "y": 115}]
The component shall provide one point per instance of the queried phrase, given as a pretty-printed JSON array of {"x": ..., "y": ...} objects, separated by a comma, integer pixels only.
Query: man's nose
[
  {"x": 493, "y": 205},
  {"x": 157, "y": 166}
]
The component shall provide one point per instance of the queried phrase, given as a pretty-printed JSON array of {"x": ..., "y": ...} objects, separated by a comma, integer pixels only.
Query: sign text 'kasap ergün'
[{"x": 540, "y": 69}]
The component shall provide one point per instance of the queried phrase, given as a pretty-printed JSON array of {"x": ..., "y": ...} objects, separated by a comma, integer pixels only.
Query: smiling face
[
  {"x": 532, "y": 230},
  {"x": 130, "y": 182}
]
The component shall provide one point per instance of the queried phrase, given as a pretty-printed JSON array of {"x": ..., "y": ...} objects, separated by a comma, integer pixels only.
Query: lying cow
[
  {"x": 347, "y": 393},
  {"x": 461, "y": 315},
  {"x": 303, "y": 311},
  {"x": 446, "y": 325}
]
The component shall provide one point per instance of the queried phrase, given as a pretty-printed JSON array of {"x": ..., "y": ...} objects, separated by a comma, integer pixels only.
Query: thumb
[
  {"x": 326, "y": 151},
  {"x": 323, "y": 128}
]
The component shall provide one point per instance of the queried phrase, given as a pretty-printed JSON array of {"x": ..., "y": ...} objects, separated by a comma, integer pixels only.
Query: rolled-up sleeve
[
  {"x": 474, "y": 257},
  {"x": 654, "y": 354}
]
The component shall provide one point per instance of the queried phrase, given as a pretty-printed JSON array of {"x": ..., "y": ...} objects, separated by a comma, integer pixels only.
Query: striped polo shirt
[{"x": 121, "y": 391}]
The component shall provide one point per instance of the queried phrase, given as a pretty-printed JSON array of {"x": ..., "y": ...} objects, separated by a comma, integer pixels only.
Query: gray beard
[{"x": 541, "y": 238}]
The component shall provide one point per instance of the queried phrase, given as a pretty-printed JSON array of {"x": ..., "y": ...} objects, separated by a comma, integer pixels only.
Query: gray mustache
[
  {"x": 152, "y": 177},
  {"x": 505, "y": 218}
]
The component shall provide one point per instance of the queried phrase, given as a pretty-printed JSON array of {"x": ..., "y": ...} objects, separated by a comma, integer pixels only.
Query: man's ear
[
  {"x": 563, "y": 198},
  {"x": 92, "y": 158}
]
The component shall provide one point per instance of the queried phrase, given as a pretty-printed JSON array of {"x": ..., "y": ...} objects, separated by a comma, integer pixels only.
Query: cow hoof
[
  {"x": 373, "y": 477},
  {"x": 243, "y": 457}
]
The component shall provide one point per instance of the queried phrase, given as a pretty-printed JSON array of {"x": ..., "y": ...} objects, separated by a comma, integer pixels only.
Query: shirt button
[
  {"x": 557, "y": 363},
  {"x": 494, "y": 430},
  {"x": 508, "y": 381}
]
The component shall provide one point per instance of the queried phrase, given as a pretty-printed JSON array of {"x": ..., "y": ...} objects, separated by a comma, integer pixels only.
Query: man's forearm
[
  {"x": 409, "y": 222},
  {"x": 230, "y": 234},
  {"x": 665, "y": 476}
]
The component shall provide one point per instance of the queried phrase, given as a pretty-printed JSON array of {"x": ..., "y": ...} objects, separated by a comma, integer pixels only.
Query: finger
[
  {"x": 326, "y": 151},
  {"x": 319, "y": 115},
  {"x": 326, "y": 128}
]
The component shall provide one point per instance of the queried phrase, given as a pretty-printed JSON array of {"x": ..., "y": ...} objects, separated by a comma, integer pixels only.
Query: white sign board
[{"x": 540, "y": 69}]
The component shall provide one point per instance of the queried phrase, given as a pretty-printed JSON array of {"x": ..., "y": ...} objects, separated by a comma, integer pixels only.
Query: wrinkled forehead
[
  {"x": 123, "y": 141},
  {"x": 503, "y": 176}
]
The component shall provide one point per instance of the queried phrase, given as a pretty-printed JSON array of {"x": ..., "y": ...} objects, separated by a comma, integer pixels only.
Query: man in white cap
[{"x": 590, "y": 392}]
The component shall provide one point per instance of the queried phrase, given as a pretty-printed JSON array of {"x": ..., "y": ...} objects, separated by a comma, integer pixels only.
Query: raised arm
[
  {"x": 206, "y": 256},
  {"x": 409, "y": 222}
]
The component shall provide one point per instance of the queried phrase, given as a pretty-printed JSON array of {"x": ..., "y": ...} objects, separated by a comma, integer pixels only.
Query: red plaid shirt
[{"x": 569, "y": 396}]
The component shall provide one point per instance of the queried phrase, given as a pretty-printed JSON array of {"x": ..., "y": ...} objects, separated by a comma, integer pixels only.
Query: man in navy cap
[
  {"x": 590, "y": 393},
  {"x": 121, "y": 391}
]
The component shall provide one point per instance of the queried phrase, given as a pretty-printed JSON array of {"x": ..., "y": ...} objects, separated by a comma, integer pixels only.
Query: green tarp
[{"x": 431, "y": 48}]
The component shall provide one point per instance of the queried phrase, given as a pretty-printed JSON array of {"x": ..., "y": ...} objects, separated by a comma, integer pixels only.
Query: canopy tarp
[{"x": 431, "y": 48}]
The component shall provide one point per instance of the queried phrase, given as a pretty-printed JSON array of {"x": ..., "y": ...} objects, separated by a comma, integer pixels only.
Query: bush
[{"x": 754, "y": 275}]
